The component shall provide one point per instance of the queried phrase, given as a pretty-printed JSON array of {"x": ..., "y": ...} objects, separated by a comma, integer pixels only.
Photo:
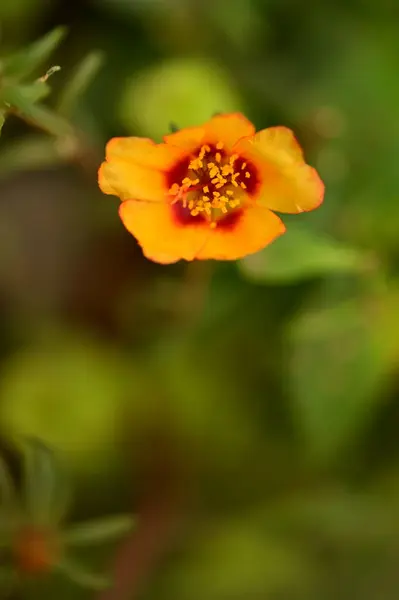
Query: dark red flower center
[{"x": 211, "y": 186}]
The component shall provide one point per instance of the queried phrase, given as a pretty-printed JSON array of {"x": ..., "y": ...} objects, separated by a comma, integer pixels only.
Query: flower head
[{"x": 210, "y": 191}]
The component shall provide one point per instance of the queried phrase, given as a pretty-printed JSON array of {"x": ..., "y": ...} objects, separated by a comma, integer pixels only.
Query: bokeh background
[{"x": 247, "y": 412}]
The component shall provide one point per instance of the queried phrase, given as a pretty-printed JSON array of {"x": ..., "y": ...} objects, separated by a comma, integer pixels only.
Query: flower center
[{"x": 212, "y": 184}]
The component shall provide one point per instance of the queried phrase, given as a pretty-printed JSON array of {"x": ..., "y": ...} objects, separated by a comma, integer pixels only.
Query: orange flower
[{"x": 209, "y": 192}]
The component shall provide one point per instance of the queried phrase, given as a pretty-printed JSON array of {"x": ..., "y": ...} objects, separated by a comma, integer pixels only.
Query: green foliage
[
  {"x": 25, "y": 63},
  {"x": 35, "y": 535},
  {"x": 302, "y": 254},
  {"x": 257, "y": 402},
  {"x": 170, "y": 92},
  {"x": 22, "y": 98}
]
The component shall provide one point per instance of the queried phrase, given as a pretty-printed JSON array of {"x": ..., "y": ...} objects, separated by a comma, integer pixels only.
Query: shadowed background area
[{"x": 247, "y": 412}]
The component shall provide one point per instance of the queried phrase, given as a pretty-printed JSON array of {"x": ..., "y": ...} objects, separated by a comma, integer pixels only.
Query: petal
[
  {"x": 144, "y": 152},
  {"x": 256, "y": 228},
  {"x": 129, "y": 180},
  {"x": 228, "y": 128},
  {"x": 188, "y": 139},
  {"x": 282, "y": 138},
  {"x": 159, "y": 234},
  {"x": 287, "y": 183}
]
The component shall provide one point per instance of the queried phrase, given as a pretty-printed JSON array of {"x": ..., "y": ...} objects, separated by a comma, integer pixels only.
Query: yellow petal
[
  {"x": 129, "y": 180},
  {"x": 255, "y": 228},
  {"x": 228, "y": 129},
  {"x": 285, "y": 182},
  {"x": 144, "y": 152},
  {"x": 162, "y": 237},
  {"x": 188, "y": 139}
]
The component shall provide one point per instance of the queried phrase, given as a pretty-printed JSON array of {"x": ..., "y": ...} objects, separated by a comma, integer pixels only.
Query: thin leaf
[
  {"x": 40, "y": 116},
  {"x": 100, "y": 531},
  {"x": 50, "y": 72},
  {"x": 45, "y": 494},
  {"x": 79, "y": 575},
  {"x": 80, "y": 81},
  {"x": 2, "y": 120},
  {"x": 25, "y": 62},
  {"x": 35, "y": 91}
]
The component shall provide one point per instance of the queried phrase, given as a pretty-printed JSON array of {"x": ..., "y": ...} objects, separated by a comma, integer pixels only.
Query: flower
[{"x": 209, "y": 192}]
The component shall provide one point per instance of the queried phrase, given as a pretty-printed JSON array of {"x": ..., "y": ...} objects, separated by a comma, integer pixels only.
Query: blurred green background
[{"x": 247, "y": 412}]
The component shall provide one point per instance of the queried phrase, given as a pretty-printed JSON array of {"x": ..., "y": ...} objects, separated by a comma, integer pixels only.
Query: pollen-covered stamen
[{"x": 212, "y": 183}]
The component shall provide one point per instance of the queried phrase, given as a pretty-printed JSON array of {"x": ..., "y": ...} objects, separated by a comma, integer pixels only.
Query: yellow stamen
[
  {"x": 195, "y": 164},
  {"x": 227, "y": 170},
  {"x": 174, "y": 189},
  {"x": 221, "y": 173},
  {"x": 213, "y": 171}
]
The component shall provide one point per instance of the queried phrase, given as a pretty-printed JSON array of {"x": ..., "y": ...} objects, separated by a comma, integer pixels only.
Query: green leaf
[
  {"x": 2, "y": 120},
  {"x": 18, "y": 98},
  {"x": 102, "y": 530},
  {"x": 302, "y": 254},
  {"x": 25, "y": 62},
  {"x": 35, "y": 91},
  {"x": 338, "y": 364},
  {"x": 82, "y": 577},
  {"x": 171, "y": 92},
  {"x": 80, "y": 81},
  {"x": 45, "y": 491}
]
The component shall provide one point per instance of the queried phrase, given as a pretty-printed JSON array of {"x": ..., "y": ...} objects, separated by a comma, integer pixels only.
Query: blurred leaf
[
  {"x": 102, "y": 530},
  {"x": 79, "y": 82},
  {"x": 25, "y": 62},
  {"x": 185, "y": 91},
  {"x": 8, "y": 580},
  {"x": 26, "y": 153},
  {"x": 236, "y": 559},
  {"x": 82, "y": 382},
  {"x": 84, "y": 578},
  {"x": 7, "y": 488},
  {"x": 33, "y": 92},
  {"x": 337, "y": 368},
  {"x": 39, "y": 116},
  {"x": 238, "y": 24},
  {"x": 45, "y": 491},
  {"x": 51, "y": 71},
  {"x": 2, "y": 120},
  {"x": 302, "y": 254}
]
